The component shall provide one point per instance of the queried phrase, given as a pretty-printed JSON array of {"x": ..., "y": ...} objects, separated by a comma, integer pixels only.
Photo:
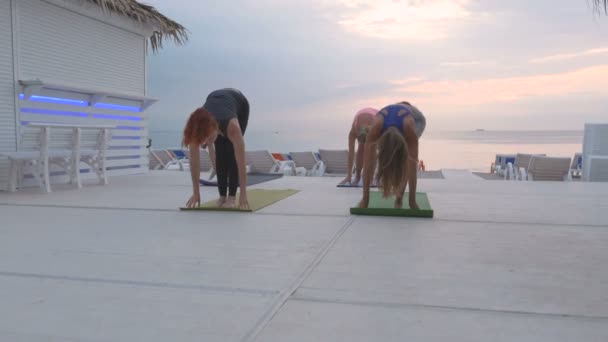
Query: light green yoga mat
[
  {"x": 258, "y": 199},
  {"x": 379, "y": 206}
]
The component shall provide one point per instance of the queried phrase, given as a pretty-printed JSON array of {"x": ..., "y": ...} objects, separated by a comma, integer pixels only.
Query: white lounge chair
[
  {"x": 336, "y": 162},
  {"x": 166, "y": 159},
  {"x": 155, "y": 162},
  {"x": 518, "y": 170},
  {"x": 595, "y": 153},
  {"x": 262, "y": 161},
  {"x": 548, "y": 169},
  {"x": 500, "y": 164},
  {"x": 576, "y": 168},
  {"x": 308, "y": 161}
]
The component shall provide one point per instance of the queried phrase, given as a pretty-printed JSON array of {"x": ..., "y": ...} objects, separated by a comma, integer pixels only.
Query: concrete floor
[{"x": 501, "y": 261}]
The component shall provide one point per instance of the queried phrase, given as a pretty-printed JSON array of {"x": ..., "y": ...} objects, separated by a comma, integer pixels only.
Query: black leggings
[{"x": 226, "y": 167}]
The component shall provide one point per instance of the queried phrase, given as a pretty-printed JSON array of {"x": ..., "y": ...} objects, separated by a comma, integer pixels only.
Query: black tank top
[{"x": 224, "y": 105}]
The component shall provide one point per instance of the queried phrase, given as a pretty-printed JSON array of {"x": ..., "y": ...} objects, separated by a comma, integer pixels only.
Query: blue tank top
[{"x": 394, "y": 116}]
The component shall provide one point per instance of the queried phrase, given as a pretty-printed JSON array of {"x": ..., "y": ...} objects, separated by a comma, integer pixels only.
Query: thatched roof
[
  {"x": 600, "y": 5},
  {"x": 166, "y": 28}
]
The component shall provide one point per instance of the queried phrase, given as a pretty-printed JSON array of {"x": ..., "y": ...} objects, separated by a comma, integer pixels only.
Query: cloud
[
  {"x": 590, "y": 80},
  {"x": 460, "y": 64},
  {"x": 421, "y": 20},
  {"x": 566, "y": 56},
  {"x": 408, "y": 80}
]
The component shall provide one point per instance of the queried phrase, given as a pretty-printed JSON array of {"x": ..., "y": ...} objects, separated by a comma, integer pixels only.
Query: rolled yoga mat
[
  {"x": 258, "y": 199},
  {"x": 379, "y": 206},
  {"x": 252, "y": 179}
]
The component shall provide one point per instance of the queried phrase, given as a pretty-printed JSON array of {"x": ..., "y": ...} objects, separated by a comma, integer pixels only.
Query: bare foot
[
  {"x": 230, "y": 202},
  {"x": 399, "y": 202},
  {"x": 220, "y": 202},
  {"x": 414, "y": 205}
]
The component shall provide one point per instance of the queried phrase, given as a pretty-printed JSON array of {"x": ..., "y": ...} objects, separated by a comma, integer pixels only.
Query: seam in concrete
[
  {"x": 282, "y": 298},
  {"x": 165, "y": 285},
  {"x": 556, "y": 224},
  {"x": 437, "y": 307}
]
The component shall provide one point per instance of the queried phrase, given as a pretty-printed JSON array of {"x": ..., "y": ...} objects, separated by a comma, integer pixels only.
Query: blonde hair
[{"x": 392, "y": 157}]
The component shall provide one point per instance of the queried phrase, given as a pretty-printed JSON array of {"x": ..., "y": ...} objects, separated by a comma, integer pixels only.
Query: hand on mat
[
  {"x": 195, "y": 200},
  {"x": 243, "y": 203},
  {"x": 364, "y": 202}
]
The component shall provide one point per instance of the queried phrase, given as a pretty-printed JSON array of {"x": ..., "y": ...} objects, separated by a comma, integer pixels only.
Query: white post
[{"x": 75, "y": 162}]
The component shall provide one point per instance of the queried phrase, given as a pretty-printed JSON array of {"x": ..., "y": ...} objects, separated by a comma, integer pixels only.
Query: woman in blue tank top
[{"x": 392, "y": 144}]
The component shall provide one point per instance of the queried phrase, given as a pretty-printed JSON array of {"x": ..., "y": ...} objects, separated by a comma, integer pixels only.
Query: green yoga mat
[
  {"x": 379, "y": 206},
  {"x": 258, "y": 199}
]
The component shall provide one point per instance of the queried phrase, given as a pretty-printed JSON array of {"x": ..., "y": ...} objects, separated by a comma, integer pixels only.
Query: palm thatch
[
  {"x": 600, "y": 5},
  {"x": 166, "y": 28}
]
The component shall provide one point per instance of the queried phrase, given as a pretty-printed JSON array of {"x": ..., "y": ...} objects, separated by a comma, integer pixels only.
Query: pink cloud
[{"x": 464, "y": 92}]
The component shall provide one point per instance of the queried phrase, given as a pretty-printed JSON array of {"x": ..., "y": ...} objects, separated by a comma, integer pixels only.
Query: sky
[{"x": 312, "y": 64}]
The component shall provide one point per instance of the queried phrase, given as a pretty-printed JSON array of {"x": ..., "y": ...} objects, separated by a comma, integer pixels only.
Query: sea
[{"x": 472, "y": 150}]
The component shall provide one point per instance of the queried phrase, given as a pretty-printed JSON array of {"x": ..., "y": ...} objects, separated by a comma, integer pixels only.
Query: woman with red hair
[{"x": 220, "y": 124}]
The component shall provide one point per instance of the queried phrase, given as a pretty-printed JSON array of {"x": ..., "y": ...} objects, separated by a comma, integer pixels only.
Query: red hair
[{"x": 199, "y": 127}]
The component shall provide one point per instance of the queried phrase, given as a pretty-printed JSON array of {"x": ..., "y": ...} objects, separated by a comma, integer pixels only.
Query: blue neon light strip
[
  {"x": 117, "y": 117},
  {"x": 124, "y": 147},
  {"x": 114, "y": 137},
  {"x": 80, "y": 103},
  {"x": 53, "y": 112},
  {"x": 59, "y": 100},
  {"x": 117, "y": 107},
  {"x": 130, "y": 128}
]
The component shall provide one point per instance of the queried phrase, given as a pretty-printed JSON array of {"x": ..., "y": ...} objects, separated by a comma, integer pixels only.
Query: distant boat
[{"x": 480, "y": 130}]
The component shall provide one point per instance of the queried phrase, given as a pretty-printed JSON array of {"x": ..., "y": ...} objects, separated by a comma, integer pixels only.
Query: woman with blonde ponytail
[{"x": 392, "y": 144}]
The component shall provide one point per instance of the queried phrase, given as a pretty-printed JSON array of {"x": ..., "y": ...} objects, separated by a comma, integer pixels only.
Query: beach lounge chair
[
  {"x": 335, "y": 162},
  {"x": 576, "y": 168},
  {"x": 595, "y": 153},
  {"x": 206, "y": 165},
  {"x": 167, "y": 160},
  {"x": 155, "y": 162},
  {"x": 182, "y": 156},
  {"x": 178, "y": 153},
  {"x": 309, "y": 162},
  {"x": 500, "y": 164},
  {"x": 262, "y": 161},
  {"x": 518, "y": 170},
  {"x": 548, "y": 169}
]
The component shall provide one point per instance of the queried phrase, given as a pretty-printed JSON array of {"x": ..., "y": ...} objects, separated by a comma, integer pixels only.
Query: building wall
[
  {"x": 60, "y": 42},
  {"x": 63, "y": 46},
  {"x": 7, "y": 90}
]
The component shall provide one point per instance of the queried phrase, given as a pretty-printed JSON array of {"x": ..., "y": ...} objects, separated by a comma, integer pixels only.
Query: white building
[{"x": 80, "y": 61}]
